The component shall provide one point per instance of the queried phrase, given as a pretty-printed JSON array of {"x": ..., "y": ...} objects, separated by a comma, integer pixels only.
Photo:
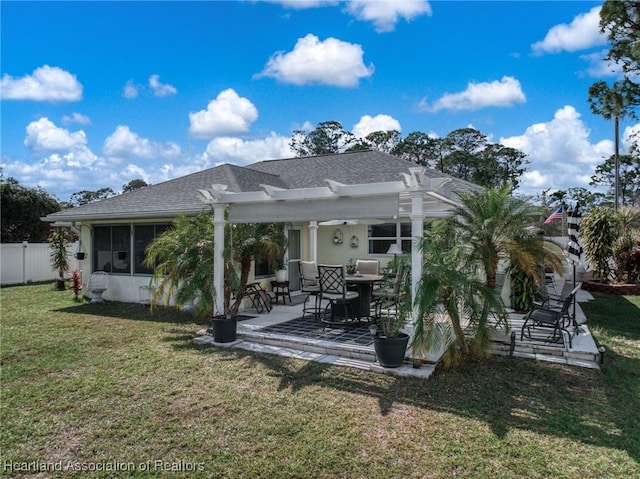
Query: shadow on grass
[
  {"x": 503, "y": 393},
  {"x": 132, "y": 311},
  {"x": 592, "y": 407}
]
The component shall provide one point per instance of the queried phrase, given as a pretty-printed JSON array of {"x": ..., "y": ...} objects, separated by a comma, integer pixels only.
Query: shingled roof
[{"x": 180, "y": 195}]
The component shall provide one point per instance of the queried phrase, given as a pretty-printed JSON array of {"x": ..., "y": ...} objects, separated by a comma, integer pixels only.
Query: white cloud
[
  {"x": 330, "y": 62},
  {"x": 44, "y": 84},
  {"x": 44, "y": 135},
  {"x": 369, "y": 124},
  {"x": 228, "y": 114},
  {"x": 123, "y": 143},
  {"x": 598, "y": 67},
  {"x": 560, "y": 153},
  {"x": 240, "y": 152},
  {"x": 582, "y": 33},
  {"x": 160, "y": 89},
  {"x": 503, "y": 93},
  {"x": 130, "y": 90},
  {"x": 385, "y": 15},
  {"x": 76, "y": 118}
]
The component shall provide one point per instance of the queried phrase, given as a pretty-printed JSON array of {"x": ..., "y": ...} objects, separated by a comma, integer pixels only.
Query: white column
[
  {"x": 313, "y": 241},
  {"x": 417, "y": 227},
  {"x": 218, "y": 259}
]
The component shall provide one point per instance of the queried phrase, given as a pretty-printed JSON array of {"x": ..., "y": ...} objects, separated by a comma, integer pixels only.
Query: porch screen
[{"x": 112, "y": 249}]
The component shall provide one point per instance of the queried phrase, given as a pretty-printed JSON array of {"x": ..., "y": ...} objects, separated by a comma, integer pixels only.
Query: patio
[{"x": 282, "y": 332}]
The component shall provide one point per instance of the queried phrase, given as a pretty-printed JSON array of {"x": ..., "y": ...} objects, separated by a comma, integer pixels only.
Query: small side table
[{"x": 281, "y": 288}]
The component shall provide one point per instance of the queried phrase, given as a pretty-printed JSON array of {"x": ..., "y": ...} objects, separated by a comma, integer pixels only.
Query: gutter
[{"x": 109, "y": 216}]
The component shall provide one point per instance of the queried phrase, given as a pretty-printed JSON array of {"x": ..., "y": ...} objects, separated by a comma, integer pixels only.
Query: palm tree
[
  {"x": 492, "y": 224},
  {"x": 249, "y": 242},
  {"x": 450, "y": 298},
  {"x": 183, "y": 259}
]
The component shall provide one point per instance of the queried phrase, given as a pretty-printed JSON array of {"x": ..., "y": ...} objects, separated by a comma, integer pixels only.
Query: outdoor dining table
[{"x": 364, "y": 283}]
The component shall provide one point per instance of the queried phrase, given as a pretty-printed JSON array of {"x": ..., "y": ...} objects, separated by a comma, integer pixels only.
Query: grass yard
[{"x": 113, "y": 391}]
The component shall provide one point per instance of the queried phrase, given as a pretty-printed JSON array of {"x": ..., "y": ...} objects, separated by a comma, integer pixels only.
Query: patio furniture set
[{"x": 348, "y": 298}]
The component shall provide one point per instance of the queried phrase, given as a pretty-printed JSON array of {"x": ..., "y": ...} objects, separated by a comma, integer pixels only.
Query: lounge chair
[{"x": 558, "y": 319}]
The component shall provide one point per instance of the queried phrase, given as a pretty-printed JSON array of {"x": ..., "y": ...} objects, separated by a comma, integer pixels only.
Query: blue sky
[{"x": 95, "y": 94}]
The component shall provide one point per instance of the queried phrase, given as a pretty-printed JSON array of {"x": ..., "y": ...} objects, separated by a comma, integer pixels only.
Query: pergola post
[
  {"x": 313, "y": 241},
  {"x": 417, "y": 230},
  {"x": 218, "y": 260}
]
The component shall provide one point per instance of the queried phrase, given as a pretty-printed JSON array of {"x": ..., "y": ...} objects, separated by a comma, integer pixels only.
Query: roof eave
[{"x": 120, "y": 215}]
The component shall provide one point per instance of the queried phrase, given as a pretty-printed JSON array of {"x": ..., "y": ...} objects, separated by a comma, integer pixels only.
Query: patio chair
[
  {"x": 97, "y": 284},
  {"x": 333, "y": 288},
  {"x": 310, "y": 285},
  {"x": 387, "y": 298},
  {"x": 368, "y": 266},
  {"x": 557, "y": 319}
]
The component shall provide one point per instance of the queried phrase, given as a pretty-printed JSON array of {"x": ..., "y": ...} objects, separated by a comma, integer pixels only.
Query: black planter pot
[
  {"x": 224, "y": 329},
  {"x": 79, "y": 255},
  {"x": 390, "y": 351}
]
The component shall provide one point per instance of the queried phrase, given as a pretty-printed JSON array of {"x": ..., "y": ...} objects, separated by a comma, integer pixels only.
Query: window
[
  {"x": 380, "y": 237},
  {"x": 143, "y": 235},
  {"x": 112, "y": 247},
  {"x": 262, "y": 268}
]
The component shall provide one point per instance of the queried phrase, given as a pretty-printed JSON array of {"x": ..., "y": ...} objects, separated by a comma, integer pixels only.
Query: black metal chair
[
  {"x": 333, "y": 288},
  {"x": 387, "y": 297},
  {"x": 546, "y": 317},
  {"x": 310, "y": 284}
]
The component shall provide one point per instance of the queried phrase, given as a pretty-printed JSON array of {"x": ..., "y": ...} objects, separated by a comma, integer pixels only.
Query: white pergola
[{"x": 414, "y": 196}]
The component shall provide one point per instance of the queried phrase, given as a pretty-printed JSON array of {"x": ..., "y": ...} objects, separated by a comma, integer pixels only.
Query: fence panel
[{"x": 29, "y": 262}]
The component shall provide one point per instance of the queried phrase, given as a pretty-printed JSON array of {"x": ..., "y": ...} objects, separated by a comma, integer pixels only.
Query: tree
[
  {"x": 450, "y": 284},
  {"x": 22, "y": 209},
  {"x": 384, "y": 141},
  {"x": 464, "y": 145},
  {"x": 422, "y": 149},
  {"x": 85, "y": 197},
  {"x": 598, "y": 231},
  {"x": 626, "y": 247},
  {"x": 134, "y": 185},
  {"x": 628, "y": 177},
  {"x": 616, "y": 101},
  {"x": 59, "y": 239},
  {"x": 493, "y": 225},
  {"x": 183, "y": 259},
  {"x": 620, "y": 21},
  {"x": 499, "y": 165},
  {"x": 327, "y": 138}
]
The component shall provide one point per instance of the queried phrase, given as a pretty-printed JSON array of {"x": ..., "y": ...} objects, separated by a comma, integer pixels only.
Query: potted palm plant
[
  {"x": 59, "y": 239},
  {"x": 394, "y": 308}
]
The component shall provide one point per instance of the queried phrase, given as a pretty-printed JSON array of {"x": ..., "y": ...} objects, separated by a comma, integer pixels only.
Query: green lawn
[{"x": 111, "y": 386}]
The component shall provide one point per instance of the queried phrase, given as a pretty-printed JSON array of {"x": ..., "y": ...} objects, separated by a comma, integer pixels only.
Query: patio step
[
  {"x": 309, "y": 345},
  {"x": 320, "y": 351},
  {"x": 584, "y": 353}
]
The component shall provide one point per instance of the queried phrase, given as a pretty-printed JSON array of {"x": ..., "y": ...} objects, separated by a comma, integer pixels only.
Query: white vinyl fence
[{"x": 29, "y": 262}]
